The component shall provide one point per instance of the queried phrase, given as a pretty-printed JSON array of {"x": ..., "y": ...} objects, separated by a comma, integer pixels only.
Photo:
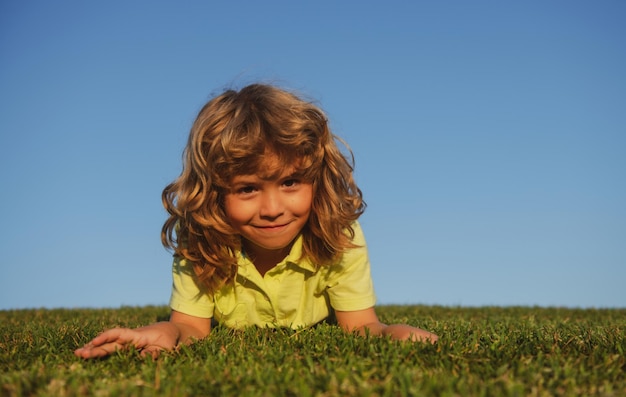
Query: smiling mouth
[{"x": 272, "y": 227}]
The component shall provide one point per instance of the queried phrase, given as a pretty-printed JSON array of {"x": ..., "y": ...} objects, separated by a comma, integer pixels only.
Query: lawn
[{"x": 488, "y": 351}]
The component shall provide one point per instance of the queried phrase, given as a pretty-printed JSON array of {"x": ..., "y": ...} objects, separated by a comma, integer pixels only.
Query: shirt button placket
[{"x": 272, "y": 293}]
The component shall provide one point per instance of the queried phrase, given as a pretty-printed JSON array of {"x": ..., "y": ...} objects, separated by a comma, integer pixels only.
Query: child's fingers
[
  {"x": 91, "y": 351},
  {"x": 151, "y": 351},
  {"x": 107, "y": 343},
  {"x": 115, "y": 335}
]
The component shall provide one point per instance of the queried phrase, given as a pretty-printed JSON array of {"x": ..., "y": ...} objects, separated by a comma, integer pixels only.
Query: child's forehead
[{"x": 272, "y": 167}]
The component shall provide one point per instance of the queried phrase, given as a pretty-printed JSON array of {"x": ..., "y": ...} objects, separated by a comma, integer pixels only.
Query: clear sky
[{"x": 489, "y": 136}]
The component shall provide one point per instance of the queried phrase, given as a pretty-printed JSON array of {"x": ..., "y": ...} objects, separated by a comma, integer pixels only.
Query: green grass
[{"x": 481, "y": 352}]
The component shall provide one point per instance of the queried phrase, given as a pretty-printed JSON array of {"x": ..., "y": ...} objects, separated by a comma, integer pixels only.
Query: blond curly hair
[{"x": 230, "y": 137}]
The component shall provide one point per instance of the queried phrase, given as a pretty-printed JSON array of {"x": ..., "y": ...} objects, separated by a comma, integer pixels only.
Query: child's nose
[{"x": 271, "y": 205}]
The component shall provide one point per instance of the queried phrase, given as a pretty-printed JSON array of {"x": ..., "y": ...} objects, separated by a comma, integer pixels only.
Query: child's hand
[
  {"x": 366, "y": 323},
  {"x": 406, "y": 332},
  {"x": 149, "y": 340}
]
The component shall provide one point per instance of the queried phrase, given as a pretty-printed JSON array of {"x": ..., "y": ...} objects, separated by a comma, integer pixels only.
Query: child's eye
[
  {"x": 246, "y": 190},
  {"x": 290, "y": 183}
]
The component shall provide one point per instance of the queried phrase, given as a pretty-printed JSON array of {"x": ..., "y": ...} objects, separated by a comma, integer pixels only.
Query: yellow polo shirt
[{"x": 292, "y": 294}]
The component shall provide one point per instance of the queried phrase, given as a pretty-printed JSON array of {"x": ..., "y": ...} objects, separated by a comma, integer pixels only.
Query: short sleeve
[
  {"x": 349, "y": 283},
  {"x": 186, "y": 297}
]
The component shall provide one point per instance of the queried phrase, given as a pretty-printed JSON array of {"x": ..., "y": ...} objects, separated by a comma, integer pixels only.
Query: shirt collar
[{"x": 294, "y": 257}]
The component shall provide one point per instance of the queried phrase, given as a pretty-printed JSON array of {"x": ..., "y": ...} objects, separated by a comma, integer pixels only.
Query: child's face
[{"x": 268, "y": 211}]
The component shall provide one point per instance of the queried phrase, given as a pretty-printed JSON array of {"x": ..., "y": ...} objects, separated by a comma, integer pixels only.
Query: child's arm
[
  {"x": 166, "y": 335},
  {"x": 366, "y": 321}
]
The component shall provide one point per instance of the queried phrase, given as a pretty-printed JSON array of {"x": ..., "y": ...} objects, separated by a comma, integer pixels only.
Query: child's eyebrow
[
  {"x": 292, "y": 174},
  {"x": 244, "y": 179},
  {"x": 268, "y": 175},
  {"x": 281, "y": 173}
]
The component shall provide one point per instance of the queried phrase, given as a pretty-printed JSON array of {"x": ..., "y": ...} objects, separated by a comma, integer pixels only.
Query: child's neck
[
  {"x": 263, "y": 259},
  {"x": 263, "y": 268}
]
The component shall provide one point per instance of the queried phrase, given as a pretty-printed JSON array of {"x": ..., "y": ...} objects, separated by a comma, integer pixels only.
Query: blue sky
[{"x": 489, "y": 138}]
